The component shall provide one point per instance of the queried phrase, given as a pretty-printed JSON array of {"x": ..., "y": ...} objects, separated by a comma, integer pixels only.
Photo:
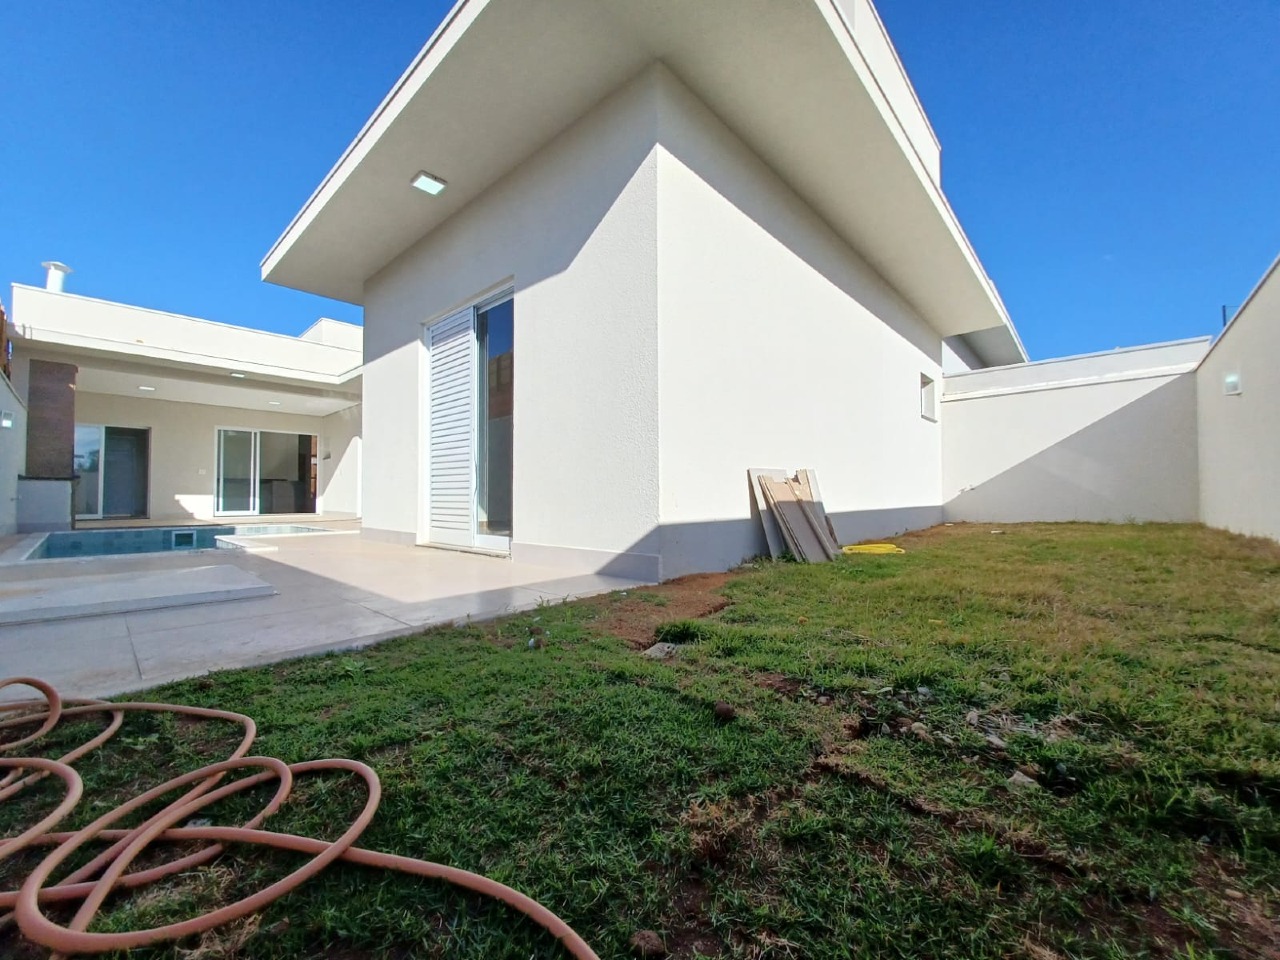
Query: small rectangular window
[{"x": 928, "y": 398}]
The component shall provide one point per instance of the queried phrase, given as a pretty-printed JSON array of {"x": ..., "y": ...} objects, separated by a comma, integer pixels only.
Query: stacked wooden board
[{"x": 793, "y": 516}]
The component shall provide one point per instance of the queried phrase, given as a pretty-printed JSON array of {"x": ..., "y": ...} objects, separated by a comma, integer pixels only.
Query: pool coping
[{"x": 19, "y": 554}]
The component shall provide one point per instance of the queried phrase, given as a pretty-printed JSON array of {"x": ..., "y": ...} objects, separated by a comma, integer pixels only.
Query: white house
[
  {"x": 613, "y": 254},
  {"x": 134, "y": 414}
]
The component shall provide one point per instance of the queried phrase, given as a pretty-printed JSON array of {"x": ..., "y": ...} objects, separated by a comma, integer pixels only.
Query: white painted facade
[
  {"x": 574, "y": 229},
  {"x": 184, "y": 450},
  {"x": 718, "y": 263},
  {"x": 1239, "y": 395},
  {"x": 663, "y": 290},
  {"x": 779, "y": 347},
  {"x": 1107, "y": 436},
  {"x": 694, "y": 294}
]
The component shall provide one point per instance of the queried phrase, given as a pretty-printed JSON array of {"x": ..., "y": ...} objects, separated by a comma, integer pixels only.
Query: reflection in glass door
[
  {"x": 88, "y": 469},
  {"x": 237, "y": 466},
  {"x": 495, "y": 337},
  {"x": 265, "y": 472}
]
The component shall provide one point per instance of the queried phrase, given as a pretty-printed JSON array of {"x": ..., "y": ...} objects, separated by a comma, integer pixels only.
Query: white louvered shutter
[{"x": 453, "y": 418}]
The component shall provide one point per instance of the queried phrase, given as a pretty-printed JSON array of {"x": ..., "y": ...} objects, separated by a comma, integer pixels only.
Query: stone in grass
[
  {"x": 995, "y": 742},
  {"x": 662, "y": 651},
  {"x": 1020, "y": 781},
  {"x": 921, "y": 731},
  {"x": 646, "y": 943},
  {"x": 724, "y": 711}
]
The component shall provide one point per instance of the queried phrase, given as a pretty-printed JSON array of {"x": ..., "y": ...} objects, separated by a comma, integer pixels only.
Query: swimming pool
[{"x": 127, "y": 540}]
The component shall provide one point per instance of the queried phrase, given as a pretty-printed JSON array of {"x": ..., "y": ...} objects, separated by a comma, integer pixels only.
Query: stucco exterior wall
[
  {"x": 340, "y": 452},
  {"x": 1240, "y": 435},
  {"x": 184, "y": 445},
  {"x": 1106, "y": 438},
  {"x": 574, "y": 231},
  {"x": 779, "y": 347},
  {"x": 13, "y": 454}
]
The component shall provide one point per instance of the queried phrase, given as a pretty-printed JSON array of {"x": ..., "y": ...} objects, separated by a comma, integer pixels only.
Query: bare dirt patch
[{"x": 635, "y": 616}]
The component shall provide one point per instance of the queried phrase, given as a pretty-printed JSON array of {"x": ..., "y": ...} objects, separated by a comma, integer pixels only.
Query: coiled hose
[{"x": 108, "y": 872}]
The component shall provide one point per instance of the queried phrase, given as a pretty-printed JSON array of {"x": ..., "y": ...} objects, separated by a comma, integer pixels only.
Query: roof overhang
[{"x": 812, "y": 86}]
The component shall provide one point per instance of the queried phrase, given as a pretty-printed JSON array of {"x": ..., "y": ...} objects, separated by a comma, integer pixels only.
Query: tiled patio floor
[{"x": 334, "y": 592}]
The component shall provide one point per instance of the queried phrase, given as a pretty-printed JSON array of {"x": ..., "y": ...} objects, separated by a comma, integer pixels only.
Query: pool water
[{"x": 125, "y": 540}]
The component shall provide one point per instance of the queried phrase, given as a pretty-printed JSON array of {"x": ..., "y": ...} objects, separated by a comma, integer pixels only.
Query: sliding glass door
[
  {"x": 263, "y": 472},
  {"x": 495, "y": 336},
  {"x": 237, "y": 472}
]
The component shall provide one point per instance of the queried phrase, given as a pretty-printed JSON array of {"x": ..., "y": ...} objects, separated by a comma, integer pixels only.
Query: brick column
[{"x": 51, "y": 420}]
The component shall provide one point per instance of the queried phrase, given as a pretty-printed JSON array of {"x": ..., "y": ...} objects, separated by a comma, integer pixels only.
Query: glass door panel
[
  {"x": 237, "y": 480},
  {"x": 495, "y": 334},
  {"x": 88, "y": 467},
  {"x": 125, "y": 459},
  {"x": 284, "y": 473}
]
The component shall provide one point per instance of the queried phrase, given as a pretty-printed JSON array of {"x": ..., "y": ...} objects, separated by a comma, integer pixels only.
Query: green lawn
[{"x": 858, "y": 804}]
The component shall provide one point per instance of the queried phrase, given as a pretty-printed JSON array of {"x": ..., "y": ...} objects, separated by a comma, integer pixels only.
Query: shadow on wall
[
  {"x": 711, "y": 546},
  {"x": 1127, "y": 466},
  {"x": 542, "y": 247},
  {"x": 697, "y": 138}
]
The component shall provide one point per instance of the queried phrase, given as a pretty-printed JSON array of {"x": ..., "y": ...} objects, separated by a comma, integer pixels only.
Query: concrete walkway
[{"x": 333, "y": 592}]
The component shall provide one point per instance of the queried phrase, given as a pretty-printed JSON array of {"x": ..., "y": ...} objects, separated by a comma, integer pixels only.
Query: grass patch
[{"x": 1059, "y": 740}]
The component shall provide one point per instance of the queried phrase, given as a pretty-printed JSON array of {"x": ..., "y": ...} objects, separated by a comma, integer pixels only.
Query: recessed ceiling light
[
  {"x": 146, "y": 389},
  {"x": 237, "y": 374},
  {"x": 428, "y": 183},
  {"x": 273, "y": 403}
]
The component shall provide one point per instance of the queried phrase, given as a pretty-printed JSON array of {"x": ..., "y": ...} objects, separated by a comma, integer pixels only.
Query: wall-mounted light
[
  {"x": 238, "y": 375},
  {"x": 1231, "y": 385},
  {"x": 273, "y": 403},
  {"x": 146, "y": 389},
  {"x": 428, "y": 183},
  {"x": 6, "y": 419}
]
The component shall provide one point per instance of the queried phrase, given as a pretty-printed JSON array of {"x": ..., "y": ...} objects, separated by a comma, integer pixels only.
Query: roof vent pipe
[{"x": 56, "y": 275}]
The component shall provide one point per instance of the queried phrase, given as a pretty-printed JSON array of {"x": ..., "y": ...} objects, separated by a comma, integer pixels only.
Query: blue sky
[{"x": 1117, "y": 165}]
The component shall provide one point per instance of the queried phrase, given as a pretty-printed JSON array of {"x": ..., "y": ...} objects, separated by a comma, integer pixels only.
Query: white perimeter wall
[
  {"x": 13, "y": 455},
  {"x": 183, "y": 445},
  {"x": 574, "y": 230},
  {"x": 780, "y": 347},
  {"x": 1110, "y": 437},
  {"x": 1240, "y": 435}
]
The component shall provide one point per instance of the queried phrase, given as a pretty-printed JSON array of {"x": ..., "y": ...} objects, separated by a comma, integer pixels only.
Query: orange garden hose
[{"x": 108, "y": 872}]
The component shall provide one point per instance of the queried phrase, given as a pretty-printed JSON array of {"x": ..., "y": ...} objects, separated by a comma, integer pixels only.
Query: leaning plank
[
  {"x": 788, "y": 539},
  {"x": 811, "y": 478},
  {"x": 772, "y": 533},
  {"x": 800, "y": 485},
  {"x": 829, "y": 547},
  {"x": 794, "y": 521}
]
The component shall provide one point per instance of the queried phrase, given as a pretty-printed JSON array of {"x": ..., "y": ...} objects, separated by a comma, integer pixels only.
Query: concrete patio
[{"x": 332, "y": 592}]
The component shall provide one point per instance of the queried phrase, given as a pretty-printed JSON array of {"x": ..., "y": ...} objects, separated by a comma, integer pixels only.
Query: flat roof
[{"x": 812, "y": 86}]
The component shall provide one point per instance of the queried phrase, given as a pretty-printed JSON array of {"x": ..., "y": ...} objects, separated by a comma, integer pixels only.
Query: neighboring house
[
  {"x": 613, "y": 254},
  {"x": 133, "y": 413}
]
